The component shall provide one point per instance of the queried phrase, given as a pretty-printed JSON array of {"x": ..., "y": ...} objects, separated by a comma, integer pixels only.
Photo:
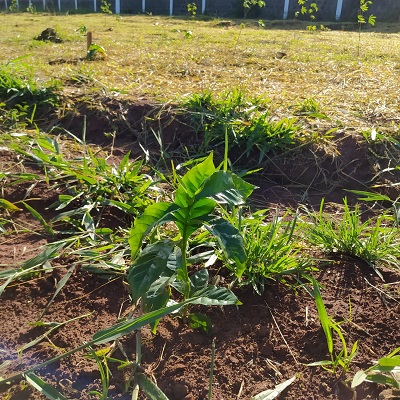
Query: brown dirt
[{"x": 263, "y": 342}]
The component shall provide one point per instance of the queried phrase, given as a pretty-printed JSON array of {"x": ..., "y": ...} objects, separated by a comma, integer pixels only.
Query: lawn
[{"x": 198, "y": 208}]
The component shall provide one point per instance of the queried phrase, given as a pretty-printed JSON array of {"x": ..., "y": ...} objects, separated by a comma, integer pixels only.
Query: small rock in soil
[{"x": 180, "y": 390}]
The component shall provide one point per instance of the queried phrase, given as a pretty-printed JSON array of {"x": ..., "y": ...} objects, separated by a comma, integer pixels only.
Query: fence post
[
  {"x": 286, "y": 9},
  {"x": 203, "y": 6},
  {"x": 339, "y": 9}
]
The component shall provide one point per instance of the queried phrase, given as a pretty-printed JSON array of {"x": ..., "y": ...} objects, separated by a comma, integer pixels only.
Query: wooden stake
[{"x": 89, "y": 40}]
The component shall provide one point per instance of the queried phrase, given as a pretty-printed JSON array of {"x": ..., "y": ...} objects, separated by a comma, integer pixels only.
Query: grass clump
[
  {"x": 21, "y": 96},
  {"x": 373, "y": 241},
  {"x": 271, "y": 247},
  {"x": 250, "y": 127}
]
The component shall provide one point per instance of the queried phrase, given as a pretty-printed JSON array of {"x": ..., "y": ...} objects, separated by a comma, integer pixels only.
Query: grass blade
[
  {"x": 323, "y": 317},
  {"x": 43, "y": 387}
]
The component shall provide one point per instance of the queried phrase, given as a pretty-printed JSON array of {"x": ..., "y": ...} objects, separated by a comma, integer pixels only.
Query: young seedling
[
  {"x": 330, "y": 327},
  {"x": 386, "y": 371},
  {"x": 364, "y": 7}
]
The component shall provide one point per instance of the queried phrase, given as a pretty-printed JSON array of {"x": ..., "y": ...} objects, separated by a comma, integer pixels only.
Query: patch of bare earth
[{"x": 265, "y": 341}]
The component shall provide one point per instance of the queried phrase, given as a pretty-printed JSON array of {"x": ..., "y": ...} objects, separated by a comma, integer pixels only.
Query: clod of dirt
[
  {"x": 49, "y": 35},
  {"x": 180, "y": 390}
]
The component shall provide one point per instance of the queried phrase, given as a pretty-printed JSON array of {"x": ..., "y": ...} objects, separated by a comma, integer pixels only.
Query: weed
[
  {"x": 13, "y": 6},
  {"x": 364, "y": 7}
]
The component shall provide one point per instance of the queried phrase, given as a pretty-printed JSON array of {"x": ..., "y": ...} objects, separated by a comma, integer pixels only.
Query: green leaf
[
  {"x": 199, "y": 280},
  {"x": 370, "y": 196},
  {"x": 152, "y": 391},
  {"x": 214, "y": 296},
  {"x": 150, "y": 218},
  {"x": 43, "y": 387},
  {"x": 8, "y": 205},
  {"x": 39, "y": 218},
  {"x": 148, "y": 267},
  {"x": 156, "y": 297},
  {"x": 226, "y": 188},
  {"x": 389, "y": 361},
  {"x": 200, "y": 321},
  {"x": 193, "y": 181},
  {"x": 50, "y": 252},
  {"x": 323, "y": 317},
  {"x": 383, "y": 380},
  {"x": 130, "y": 325},
  {"x": 191, "y": 218},
  {"x": 230, "y": 240}
]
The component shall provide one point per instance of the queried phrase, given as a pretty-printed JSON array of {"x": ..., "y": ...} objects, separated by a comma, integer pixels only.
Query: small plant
[
  {"x": 165, "y": 262},
  {"x": 192, "y": 10},
  {"x": 386, "y": 371},
  {"x": 82, "y": 30},
  {"x": 94, "y": 51},
  {"x": 330, "y": 327},
  {"x": 249, "y": 4},
  {"x": 309, "y": 10},
  {"x": 309, "y": 108},
  {"x": 105, "y": 9},
  {"x": 31, "y": 9},
  {"x": 364, "y": 7},
  {"x": 13, "y": 6}
]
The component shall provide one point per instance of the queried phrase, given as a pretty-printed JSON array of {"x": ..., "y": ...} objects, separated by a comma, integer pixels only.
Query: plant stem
[{"x": 211, "y": 369}]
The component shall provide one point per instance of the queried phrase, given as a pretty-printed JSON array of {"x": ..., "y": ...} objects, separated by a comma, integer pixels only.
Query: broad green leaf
[
  {"x": 229, "y": 238},
  {"x": 226, "y": 188},
  {"x": 152, "y": 391},
  {"x": 148, "y": 267},
  {"x": 150, "y": 218},
  {"x": 383, "y": 380},
  {"x": 214, "y": 296},
  {"x": 193, "y": 181},
  {"x": 156, "y": 297},
  {"x": 191, "y": 218},
  {"x": 8, "y": 205},
  {"x": 389, "y": 361},
  {"x": 39, "y": 384},
  {"x": 323, "y": 317},
  {"x": 199, "y": 280},
  {"x": 274, "y": 393}
]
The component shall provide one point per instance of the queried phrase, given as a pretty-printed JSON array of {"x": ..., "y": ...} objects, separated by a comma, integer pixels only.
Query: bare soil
[{"x": 265, "y": 341}]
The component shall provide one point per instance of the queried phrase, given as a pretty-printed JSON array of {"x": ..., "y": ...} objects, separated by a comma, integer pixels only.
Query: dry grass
[{"x": 150, "y": 57}]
